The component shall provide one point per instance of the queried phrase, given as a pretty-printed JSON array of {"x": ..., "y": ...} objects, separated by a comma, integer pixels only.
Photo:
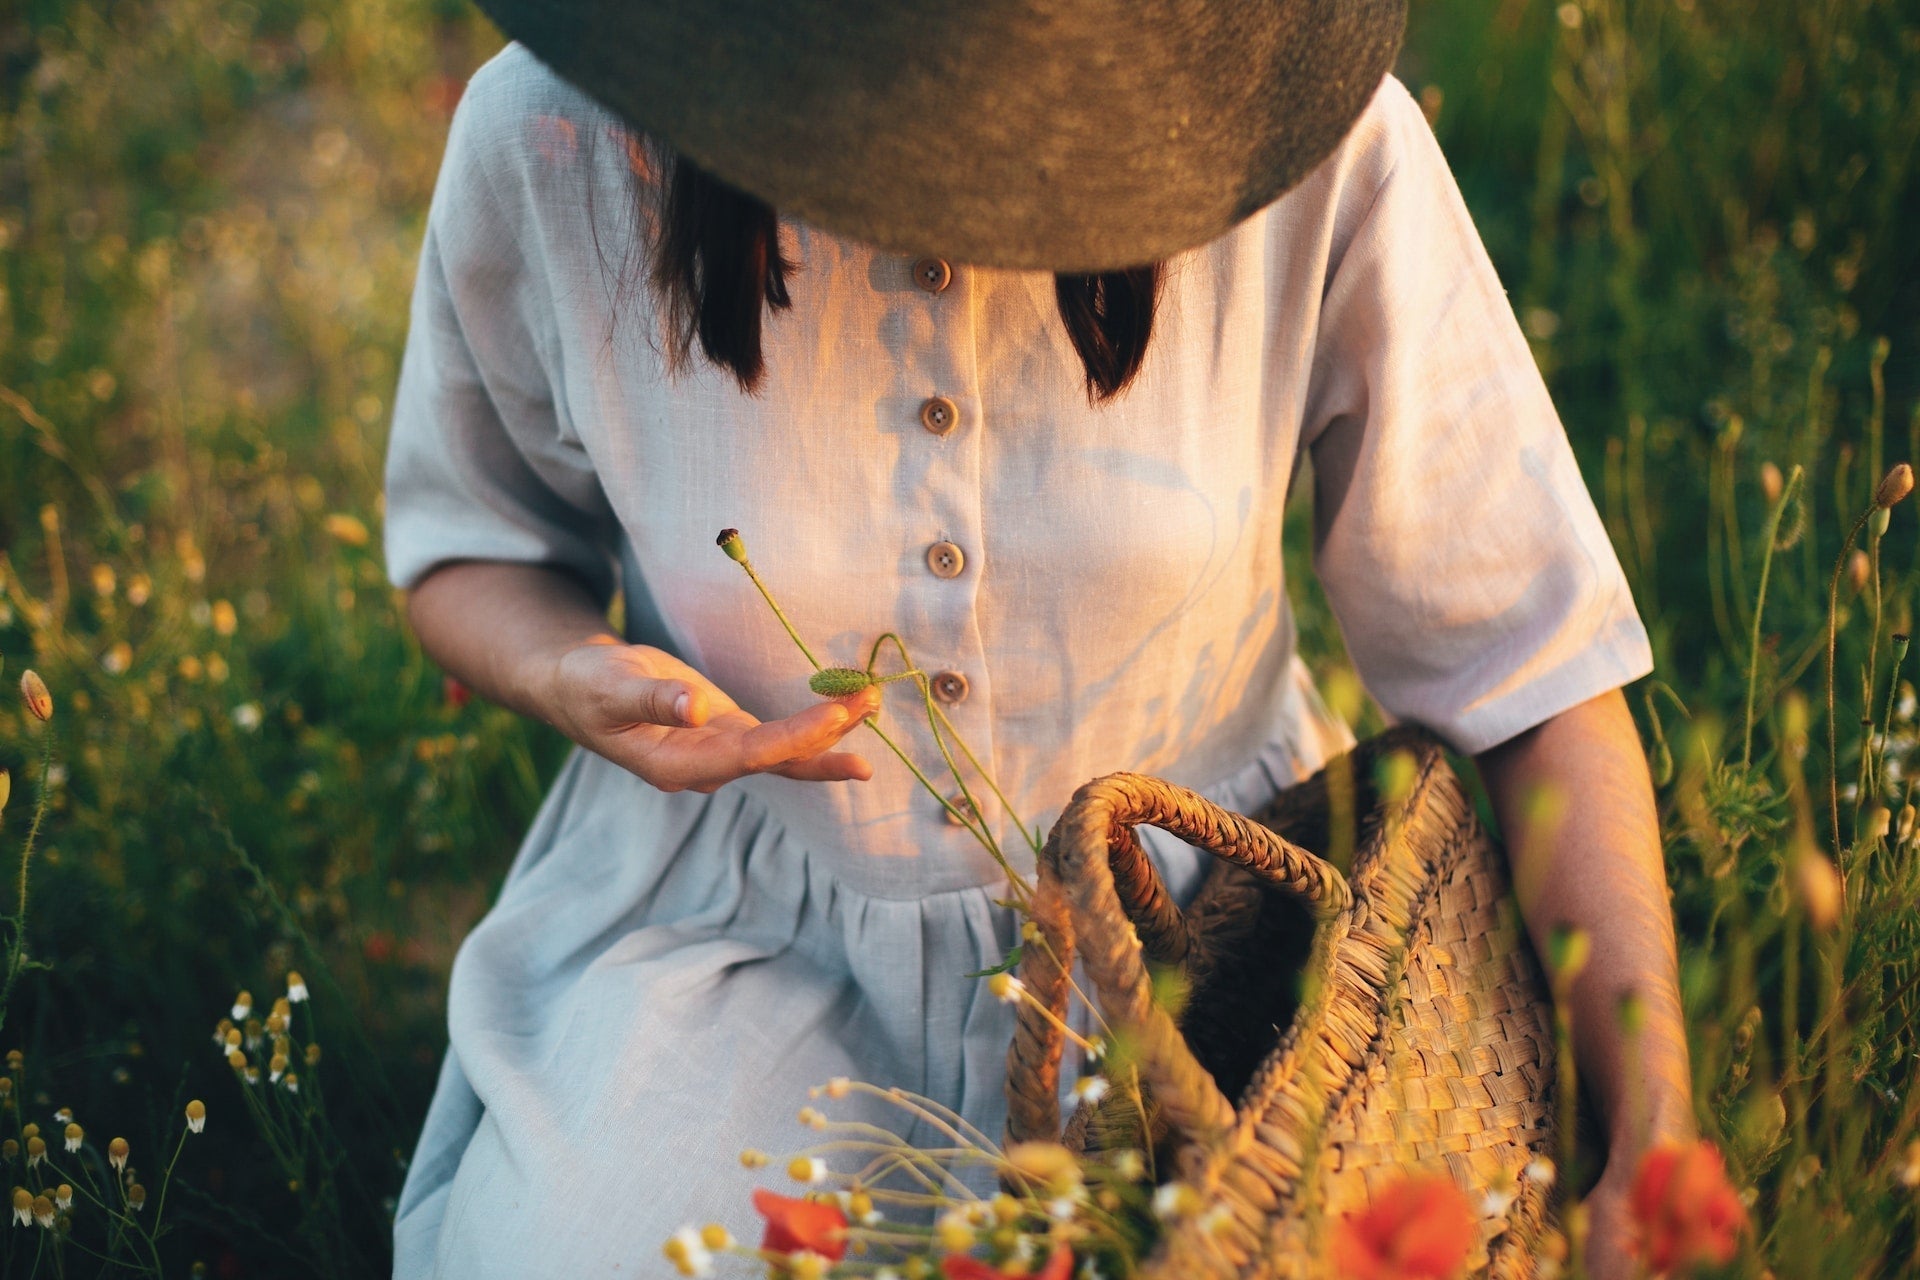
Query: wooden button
[
  {"x": 939, "y": 415},
  {"x": 946, "y": 560},
  {"x": 950, "y": 687},
  {"x": 932, "y": 274}
]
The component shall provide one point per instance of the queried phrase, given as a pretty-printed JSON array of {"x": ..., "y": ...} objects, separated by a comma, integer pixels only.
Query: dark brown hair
[{"x": 718, "y": 269}]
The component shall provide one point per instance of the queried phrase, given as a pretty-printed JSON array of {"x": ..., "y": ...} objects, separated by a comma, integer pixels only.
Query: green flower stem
[
  {"x": 18, "y": 942},
  {"x": 974, "y": 823},
  {"x": 1031, "y": 837},
  {"x": 1833, "y": 728},
  {"x": 1893, "y": 690},
  {"x": 166, "y": 1180},
  {"x": 1787, "y": 495},
  {"x": 772, "y": 604}
]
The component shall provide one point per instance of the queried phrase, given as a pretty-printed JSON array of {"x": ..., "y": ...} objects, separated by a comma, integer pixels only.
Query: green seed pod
[
  {"x": 730, "y": 542},
  {"x": 1879, "y": 521},
  {"x": 836, "y": 682}
]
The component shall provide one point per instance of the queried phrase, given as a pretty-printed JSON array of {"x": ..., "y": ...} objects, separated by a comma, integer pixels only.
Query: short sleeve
[
  {"x": 1457, "y": 543},
  {"x": 478, "y": 467}
]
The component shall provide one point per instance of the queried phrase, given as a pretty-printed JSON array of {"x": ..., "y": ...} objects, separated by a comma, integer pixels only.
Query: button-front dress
[{"x": 664, "y": 976}]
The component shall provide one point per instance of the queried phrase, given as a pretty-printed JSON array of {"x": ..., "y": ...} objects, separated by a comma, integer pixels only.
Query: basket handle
[{"x": 1098, "y": 888}]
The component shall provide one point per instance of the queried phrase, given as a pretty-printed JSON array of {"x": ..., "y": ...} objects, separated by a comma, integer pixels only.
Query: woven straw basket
[{"x": 1421, "y": 1038}]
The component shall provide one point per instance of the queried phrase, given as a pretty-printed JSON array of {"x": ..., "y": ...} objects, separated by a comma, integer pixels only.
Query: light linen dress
[{"x": 665, "y": 975}]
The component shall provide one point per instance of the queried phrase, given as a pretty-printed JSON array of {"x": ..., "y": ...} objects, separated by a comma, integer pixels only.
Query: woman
[{"x": 1066, "y": 493}]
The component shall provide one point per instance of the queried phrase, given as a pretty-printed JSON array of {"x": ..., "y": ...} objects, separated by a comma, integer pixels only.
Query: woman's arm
[
  {"x": 1576, "y": 803},
  {"x": 531, "y": 638}
]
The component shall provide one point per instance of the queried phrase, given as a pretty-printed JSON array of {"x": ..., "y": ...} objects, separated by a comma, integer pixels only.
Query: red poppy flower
[
  {"x": 1419, "y": 1228},
  {"x": 795, "y": 1225},
  {"x": 1684, "y": 1209},
  {"x": 958, "y": 1267},
  {"x": 455, "y": 693}
]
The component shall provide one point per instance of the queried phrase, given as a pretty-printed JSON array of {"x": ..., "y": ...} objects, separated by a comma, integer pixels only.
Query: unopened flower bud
[
  {"x": 313, "y": 1054},
  {"x": 1819, "y": 889},
  {"x": 1859, "y": 570},
  {"x": 1897, "y": 484},
  {"x": 38, "y": 699},
  {"x": 1878, "y": 521},
  {"x": 730, "y": 542},
  {"x": 1772, "y": 483},
  {"x": 136, "y": 1197}
]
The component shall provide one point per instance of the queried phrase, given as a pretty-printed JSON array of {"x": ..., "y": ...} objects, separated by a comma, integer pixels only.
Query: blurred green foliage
[{"x": 1704, "y": 212}]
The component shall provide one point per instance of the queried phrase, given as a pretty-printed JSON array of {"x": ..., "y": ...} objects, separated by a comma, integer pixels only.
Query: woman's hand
[
  {"x": 532, "y": 638},
  {"x": 659, "y": 719}
]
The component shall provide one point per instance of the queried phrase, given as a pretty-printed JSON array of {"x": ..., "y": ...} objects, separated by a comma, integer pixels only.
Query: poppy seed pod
[
  {"x": 730, "y": 542},
  {"x": 1897, "y": 484},
  {"x": 835, "y": 682},
  {"x": 38, "y": 699}
]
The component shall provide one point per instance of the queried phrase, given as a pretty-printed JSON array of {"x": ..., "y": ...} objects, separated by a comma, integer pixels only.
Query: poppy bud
[
  {"x": 1897, "y": 484},
  {"x": 1772, "y": 483},
  {"x": 39, "y": 700},
  {"x": 1859, "y": 569}
]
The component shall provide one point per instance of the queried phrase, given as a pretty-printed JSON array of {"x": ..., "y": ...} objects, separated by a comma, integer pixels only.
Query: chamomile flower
[
  {"x": 1090, "y": 1089},
  {"x": 688, "y": 1253},
  {"x": 117, "y": 1152},
  {"x": 296, "y": 987},
  {"x": 75, "y": 1136},
  {"x": 1005, "y": 988},
  {"x": 43, "y": 1211},
  {"x": 22, "y": 1207},
  {"x": 242, "y": 1005},
  {"x": 63, "y": 1196}
]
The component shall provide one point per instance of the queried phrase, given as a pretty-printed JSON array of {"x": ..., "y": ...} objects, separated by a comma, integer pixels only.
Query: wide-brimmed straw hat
[{"x": 1064, "y": 135}]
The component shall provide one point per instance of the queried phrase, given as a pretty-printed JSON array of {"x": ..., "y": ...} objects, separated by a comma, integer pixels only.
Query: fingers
[
  {"x": 778, "y": 743},
  {"x": 732, "y": 744}
]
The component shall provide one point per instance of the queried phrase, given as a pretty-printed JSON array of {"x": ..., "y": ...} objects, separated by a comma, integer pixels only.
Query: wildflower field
[{"x": 1707, "y": 215}]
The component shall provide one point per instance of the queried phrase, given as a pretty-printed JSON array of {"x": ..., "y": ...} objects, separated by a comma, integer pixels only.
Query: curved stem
[
  {"x": 1833, "y": 729},
  {"x": 1787, "y": 495}
]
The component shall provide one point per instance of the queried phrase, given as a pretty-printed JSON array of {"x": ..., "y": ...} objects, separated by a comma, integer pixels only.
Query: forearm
[
  {"x": 1576, "y": 805},
  {"x": 501, "y": 628}
]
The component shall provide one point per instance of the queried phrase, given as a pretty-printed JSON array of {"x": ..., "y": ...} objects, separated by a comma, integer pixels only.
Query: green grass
[{"x": 208, "y": 214}]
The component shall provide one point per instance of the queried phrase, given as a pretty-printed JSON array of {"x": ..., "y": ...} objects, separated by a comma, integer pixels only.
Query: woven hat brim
[{"x": 1061, "y": 135}]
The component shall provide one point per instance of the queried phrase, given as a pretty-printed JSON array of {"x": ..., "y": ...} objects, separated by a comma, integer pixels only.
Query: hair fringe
[{"x": 718, "y": 268}]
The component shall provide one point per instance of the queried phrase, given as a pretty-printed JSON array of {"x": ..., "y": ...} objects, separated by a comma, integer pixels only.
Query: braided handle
[{"x": 1098, "y": 888}]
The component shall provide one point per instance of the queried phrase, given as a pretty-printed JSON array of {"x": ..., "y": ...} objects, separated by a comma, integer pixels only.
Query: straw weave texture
[{"x": 1422, "y": 1041}]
